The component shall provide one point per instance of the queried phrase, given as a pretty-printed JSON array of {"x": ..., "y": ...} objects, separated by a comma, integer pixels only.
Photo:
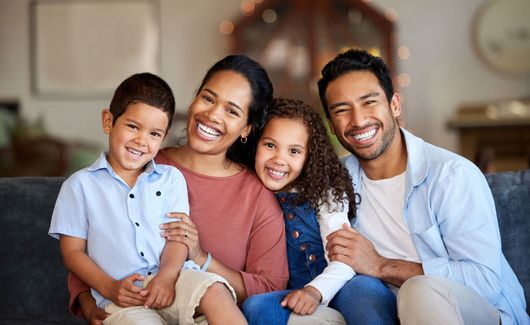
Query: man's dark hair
[
  {"x": 350, "y": 61},
  {"x": 144, "y": 88}
]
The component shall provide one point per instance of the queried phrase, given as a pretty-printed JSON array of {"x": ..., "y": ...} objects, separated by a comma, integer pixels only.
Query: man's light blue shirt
[
  {"x": 450, "y": 213},
  {"x": 120, "y": 224}
]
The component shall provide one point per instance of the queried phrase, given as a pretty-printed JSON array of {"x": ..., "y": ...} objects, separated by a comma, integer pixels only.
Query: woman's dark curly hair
[{"x": 322, "y": 170}]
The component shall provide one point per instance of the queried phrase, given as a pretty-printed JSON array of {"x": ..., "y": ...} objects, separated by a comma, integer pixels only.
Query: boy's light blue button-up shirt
[
  {"x": 120, "y": 224},
  {"x": 450, "y": 213}
]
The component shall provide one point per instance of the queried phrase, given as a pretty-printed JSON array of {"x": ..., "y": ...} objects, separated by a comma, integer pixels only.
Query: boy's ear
[{"x": 106, "y": 120}]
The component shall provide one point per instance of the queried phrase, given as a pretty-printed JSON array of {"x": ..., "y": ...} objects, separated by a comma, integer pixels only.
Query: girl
[{"x": 295, "y": 159}]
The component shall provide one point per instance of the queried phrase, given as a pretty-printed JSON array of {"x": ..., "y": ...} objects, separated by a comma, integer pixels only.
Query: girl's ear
[{"x": 106, "y": 120}]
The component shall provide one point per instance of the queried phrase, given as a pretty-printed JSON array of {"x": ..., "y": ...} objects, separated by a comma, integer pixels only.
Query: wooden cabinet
[{"x": 495, "y": 136}]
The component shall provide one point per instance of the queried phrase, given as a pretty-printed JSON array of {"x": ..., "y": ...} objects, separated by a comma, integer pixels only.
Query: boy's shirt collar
[{"x": 103, "y": 163}]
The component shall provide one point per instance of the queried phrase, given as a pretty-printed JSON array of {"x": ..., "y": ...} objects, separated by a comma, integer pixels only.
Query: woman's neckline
[{"x": 174, "y": 155}]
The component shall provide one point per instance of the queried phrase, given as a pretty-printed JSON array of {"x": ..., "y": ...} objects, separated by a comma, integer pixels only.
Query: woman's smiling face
[{"x": 218, "y": 114}]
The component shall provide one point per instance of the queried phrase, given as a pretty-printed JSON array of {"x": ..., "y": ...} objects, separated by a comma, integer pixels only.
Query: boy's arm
[
  {"x": 123, "y": 292},
  {"x": 75, "y": 259},
  {"x": 161, "y": 290}
]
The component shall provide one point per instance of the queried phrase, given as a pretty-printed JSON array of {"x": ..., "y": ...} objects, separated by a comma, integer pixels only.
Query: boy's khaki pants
[{"x": 191, "y": 285}]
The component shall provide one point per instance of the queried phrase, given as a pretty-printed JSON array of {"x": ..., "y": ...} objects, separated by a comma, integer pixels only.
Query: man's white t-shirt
[{"x": 381, "y": 217}]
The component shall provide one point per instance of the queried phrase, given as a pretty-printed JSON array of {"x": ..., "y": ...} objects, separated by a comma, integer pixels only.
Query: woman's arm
[
  {"x": 265, "y": 267},
  {"x": 185, "y": 232}
]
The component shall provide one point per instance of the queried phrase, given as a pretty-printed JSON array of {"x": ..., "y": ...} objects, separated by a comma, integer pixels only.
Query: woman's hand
[
  {"x": 184, "y": 231},
  {"x": 93, "y": 314},
  {"x": 97, "y": 316}
]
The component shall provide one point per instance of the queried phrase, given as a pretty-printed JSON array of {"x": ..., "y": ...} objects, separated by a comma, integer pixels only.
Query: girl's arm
[{"x": 336, "y": 274}]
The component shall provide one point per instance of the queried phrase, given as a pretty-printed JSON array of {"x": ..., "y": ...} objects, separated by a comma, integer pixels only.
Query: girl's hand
[
  {"x": 125, "y": 293},
  {"x": 184, "y": 231},
  {"x": 161, "y": 291},
  {"x": 304, "y": 301}
]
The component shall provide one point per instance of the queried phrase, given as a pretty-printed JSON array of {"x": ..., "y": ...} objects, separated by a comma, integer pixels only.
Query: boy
[{"x": 107, "y": 217}]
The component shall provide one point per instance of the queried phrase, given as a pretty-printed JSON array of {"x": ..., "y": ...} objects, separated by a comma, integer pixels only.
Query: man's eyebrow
[
  {"x": 363, "y": 97},
  {"x": 229, "y": 102},
  {"x": 372, "y": 94}
]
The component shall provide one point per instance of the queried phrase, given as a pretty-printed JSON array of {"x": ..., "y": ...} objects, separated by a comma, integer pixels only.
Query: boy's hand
[
  {"x": 125, "y": 293},
  {"x": 160, "y": 291},
  {"x": 304, "y": 301}
]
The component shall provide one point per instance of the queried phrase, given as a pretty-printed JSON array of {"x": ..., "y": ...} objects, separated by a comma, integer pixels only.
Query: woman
[{"x": 237, "y": 229}]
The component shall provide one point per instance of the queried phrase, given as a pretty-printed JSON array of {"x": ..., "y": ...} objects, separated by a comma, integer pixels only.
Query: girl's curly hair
[{"x": 322, "y": 171}]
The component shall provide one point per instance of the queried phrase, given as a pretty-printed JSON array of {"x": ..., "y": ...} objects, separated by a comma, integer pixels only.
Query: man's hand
[
  {"x": 304, "y": 301},
  {"x": 160, "y": 291},
  {"x": 125, "y": 293},
  {"x": 348, "y": 246}
]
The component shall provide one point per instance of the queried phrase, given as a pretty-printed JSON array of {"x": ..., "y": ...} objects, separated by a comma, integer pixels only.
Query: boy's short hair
[{"x": 144, "y": 88}]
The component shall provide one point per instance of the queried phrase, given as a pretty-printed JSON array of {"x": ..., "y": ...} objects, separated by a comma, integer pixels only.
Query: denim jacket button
[
  {"x": 312, "y": 258},
  {"x": 303, "y": 247},
  {"x": 290, "y": 216},
  {"x": 296, "y": 234}
]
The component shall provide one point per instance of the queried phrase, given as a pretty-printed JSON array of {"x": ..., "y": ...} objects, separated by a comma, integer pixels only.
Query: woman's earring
[{"x": 243, "y": 140}]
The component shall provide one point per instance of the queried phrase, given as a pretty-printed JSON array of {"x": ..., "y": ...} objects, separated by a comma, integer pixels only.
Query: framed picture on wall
[{"x": 84, "y": 48}]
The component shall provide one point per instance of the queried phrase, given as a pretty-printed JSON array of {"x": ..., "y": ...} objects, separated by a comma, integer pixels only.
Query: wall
[{"x": 444, "y": 69}]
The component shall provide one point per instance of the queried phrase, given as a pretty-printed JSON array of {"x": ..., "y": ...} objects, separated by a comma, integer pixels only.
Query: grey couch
[{"x": 33, "y": 286}]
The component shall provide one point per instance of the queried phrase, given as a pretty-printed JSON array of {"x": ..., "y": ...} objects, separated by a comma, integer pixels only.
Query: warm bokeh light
[
  {"x": 247, "y": 7},
  {"x": 391, "y": 15},
  {"x": 403, "y": 53},
  {"x": 403, "y": 80},
  {"x": 269, "y": 16},
  {"x": 226, "y": 27}
]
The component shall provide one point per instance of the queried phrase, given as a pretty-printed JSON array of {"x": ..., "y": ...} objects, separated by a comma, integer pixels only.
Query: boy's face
[
  {"x": 281, "y": 153},
  {"x": 135, "y": 137}
]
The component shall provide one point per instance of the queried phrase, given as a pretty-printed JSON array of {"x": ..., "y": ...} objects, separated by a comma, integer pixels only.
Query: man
[{"x": 426, "y": 223}]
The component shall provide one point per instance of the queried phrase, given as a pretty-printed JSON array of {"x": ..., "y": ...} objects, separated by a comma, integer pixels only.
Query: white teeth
[
  {"x": 277, "y": 173},
  {"x": 364, "y": 136},
  {"x": 209, "y": 131},
  {"x": 134, "y": 152}
]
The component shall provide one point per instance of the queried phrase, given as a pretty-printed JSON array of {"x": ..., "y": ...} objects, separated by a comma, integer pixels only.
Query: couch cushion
[
  {"x": 33, "y": 278},
  {"x": 511, "y": 192}
]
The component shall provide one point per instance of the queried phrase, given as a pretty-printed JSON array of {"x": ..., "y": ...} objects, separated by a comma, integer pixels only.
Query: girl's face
[
  {"x": 218, "y": 114},
  {"x": 282, "y": 152}
]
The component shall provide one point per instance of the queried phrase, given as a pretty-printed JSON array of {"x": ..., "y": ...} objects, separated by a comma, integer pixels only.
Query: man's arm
[{"x": 348, "y": 246}]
